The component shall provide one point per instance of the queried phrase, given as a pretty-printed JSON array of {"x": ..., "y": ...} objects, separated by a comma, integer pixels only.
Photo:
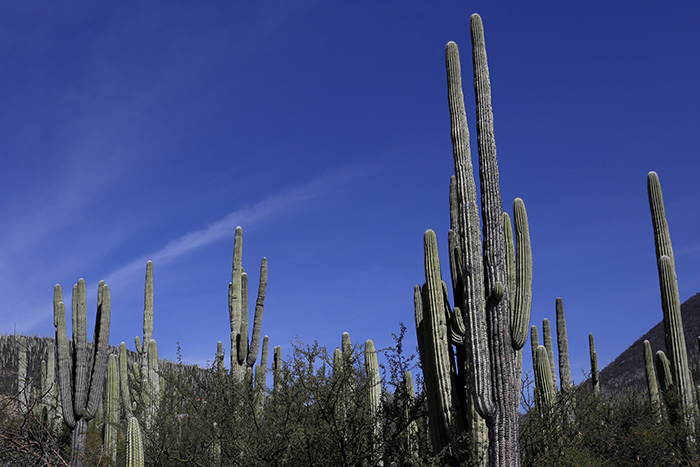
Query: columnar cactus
[
  {"x": 565, "y": 380},
  {"x": 49, "y": 393},
  {"x": 243, "y": 354},
  {"x": 545, "y": 391},
  {"x": 134, "y": 443},
  {"x": 149, "y": 381},
  {"x": 412, "y": 427},
  {"x": 277, "y": 368},
  {"x": 23, "y": 389},
  {"x": 374, "y": 389},
  {"x": 111, "y": 426},
  {"x": 595, "y": 375},
  {"x": 651, "y": 378},
  {"x": 547, "y": 338},
  {"x": 81, "y": 376},
  {"x": 220, "y": 358},
  {"x": 670, "y": 304},
  {"x": 494, "y": 331}
]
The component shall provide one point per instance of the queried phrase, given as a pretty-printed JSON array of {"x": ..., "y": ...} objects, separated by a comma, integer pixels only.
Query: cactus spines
[
  {"x": 243, "y": 355},
  {"x": 112, "y": 420},
  {"x": 520, "y": 286},
  {"x": 651, "y": 377},
  {"x": 152, "y": 389},
  {"x": 81, "y": 393},
  {"x": 534, "y": 341},
  {"x": 563, "y": 348},
  {"x": 545, "y": 391},
  {"x": 129, "y": 403},
  {"x": 595, "y": 375},
  {"x": 134, "y": 443}
]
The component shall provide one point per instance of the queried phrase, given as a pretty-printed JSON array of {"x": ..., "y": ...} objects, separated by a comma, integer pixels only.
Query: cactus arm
[
  {"x": 100, "y": 350},
  {"x": 547, "y": 338},
  {"x": 521, "y": 294},
  {"x": 243, "y": 339},
  {"x": 64, "y": 358},
  {"x": 259, "y": 309},
  {"x": 124, "y": 381},
  {"x": 544, "y": 387}
]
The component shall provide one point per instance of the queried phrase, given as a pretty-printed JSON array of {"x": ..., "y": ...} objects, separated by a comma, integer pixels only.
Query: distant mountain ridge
[{"x": 626, "y": 372}]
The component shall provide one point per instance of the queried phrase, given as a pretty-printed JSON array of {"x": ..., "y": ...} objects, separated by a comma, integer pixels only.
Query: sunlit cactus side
[
  {"x": 670, "y": 304},
  {"x": 244, "y": 354},
  {"x": 134, "y": 443},
  {"x": 545, "y": 391},
  {"x": 431, "y": 313},
  {"x": 81, "y": 376},
  {"x": 663, "y": 372},
  {"x": 130, "y": 402},
  {"x": 547, "y": 338},
  {"x": 152, "y": 389},
  {"x": 534, "y": 340},
  {"x": 566, "y": 383},
  {"x": 111, "y": 426},
  {"x": 374, "y": 389},
  {"x": 23, "y": 389},
  {"x": 651, "y": 378},
  {"x": 495, "y": 331},
  {"x": 595, "y": 375}
]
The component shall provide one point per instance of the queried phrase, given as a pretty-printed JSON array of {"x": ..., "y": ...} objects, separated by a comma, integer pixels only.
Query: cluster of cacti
[
  {"x": 492, "y": 293},
  {"x": 81, "y": 376},
  {"x": 244, "y": 353},
  {"x": 675, "y": 380}
]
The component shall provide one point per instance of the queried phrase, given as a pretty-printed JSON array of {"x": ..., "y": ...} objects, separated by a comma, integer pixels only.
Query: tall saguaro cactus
[
  {"x": 671, "y": 305},
  {"x": 149, "y": 384},
  {"x": 81, "y": 376},
  {"x": 494, "y": 331},
  {"x": 651, "y": 378},
  {"x": 243, "y": 353},
  {"x": 109, "y": 436},
  {"x": 374, "y": 388}
]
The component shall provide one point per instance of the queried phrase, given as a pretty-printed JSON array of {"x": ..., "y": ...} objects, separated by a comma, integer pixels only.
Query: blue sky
[{"x": 138, "y": 131}]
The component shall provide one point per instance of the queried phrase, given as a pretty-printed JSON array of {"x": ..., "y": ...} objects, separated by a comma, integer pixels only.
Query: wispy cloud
[{"x": 252, "y": 216}]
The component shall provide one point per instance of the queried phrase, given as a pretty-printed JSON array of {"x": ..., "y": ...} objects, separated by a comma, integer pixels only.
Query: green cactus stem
[
  {"x": 494, "y": 311},
  {"x": 244, "y": 354},
  {"x": 566, "y": 383},
  {"x": 23, "y": 384},
  {"x": 220, "y": 357},
  {"x": 111, "y": 426},
  {"x": 547, "y": 337},
  {"x": 277, "y": 368},
  {"x": 670, "y": 304},
  {"x": 651, "y": 378},
  {"x": 374, "y": 389},
  {"x": 545, "y": 391},
  {"x": 134, "y": 443},
  {"x": 411, "y": 425},
  {"x": 595, "y": 376},
  {"x": 81, "y": 376}
]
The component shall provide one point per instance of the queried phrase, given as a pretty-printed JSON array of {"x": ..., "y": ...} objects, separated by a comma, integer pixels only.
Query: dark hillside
[{"x": 626, "y": 372}]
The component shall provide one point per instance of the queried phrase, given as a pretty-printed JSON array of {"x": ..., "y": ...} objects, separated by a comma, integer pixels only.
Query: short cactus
[
  {"x": 374, "y": 389},
  {"x": 545, "y": 390},
  {"x": 134, "y": 443},
  {"x": 547, "y": 338}
]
